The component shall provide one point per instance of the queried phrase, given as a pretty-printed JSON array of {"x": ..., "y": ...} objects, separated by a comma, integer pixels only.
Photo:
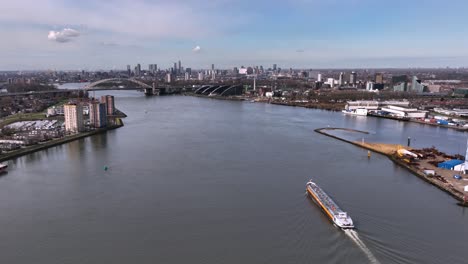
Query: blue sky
[{"x": 85, "y": 34}]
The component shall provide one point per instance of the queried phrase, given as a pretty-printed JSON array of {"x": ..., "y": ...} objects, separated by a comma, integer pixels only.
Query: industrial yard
[{"x": 447, "y": 172}]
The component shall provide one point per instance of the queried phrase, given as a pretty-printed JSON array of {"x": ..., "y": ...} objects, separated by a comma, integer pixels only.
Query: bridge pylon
[{"x": 152, "y": 91}]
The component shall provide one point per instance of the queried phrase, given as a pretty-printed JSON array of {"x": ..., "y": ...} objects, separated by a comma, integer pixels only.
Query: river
[{"x": 196, "y": 180}]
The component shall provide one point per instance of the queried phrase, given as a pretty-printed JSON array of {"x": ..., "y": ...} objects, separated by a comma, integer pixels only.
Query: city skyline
[{"x": 64, "y": 35}]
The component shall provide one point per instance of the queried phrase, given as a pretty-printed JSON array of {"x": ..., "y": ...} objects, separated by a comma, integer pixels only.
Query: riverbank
[
  {"x": 55, "y": 142},
  {"x": 332, "y": 106},
  {"x": 329, "y": 106},
  {"x": 462, "y": 129},
  {"x": 442, "y": 179},
  {"x": 228, "y": 98}
]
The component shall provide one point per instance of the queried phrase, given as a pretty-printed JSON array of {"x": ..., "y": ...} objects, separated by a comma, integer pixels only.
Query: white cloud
[
  {"x": 137, "y": 18},
  {"x": 65, "y": 35},
  {"x": 196, "y": 49}
]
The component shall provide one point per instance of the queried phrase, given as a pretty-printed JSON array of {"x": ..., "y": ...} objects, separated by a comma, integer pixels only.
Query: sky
[{"x": 105, "y": 34}]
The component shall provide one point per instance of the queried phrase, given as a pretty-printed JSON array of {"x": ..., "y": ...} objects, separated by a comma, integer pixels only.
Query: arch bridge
[
  {"x": 94, "y": 86},
  {"x": 148, "y": 89}
]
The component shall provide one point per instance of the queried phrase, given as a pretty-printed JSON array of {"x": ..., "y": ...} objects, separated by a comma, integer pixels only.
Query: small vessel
[
  {"x": 358, "y": 111},
  {"x": 331, "y": 209},
  {"x": 3, "y": 167}
]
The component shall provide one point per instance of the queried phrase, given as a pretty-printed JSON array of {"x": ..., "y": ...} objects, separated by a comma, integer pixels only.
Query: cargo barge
[{"x": 331, "y": 209}]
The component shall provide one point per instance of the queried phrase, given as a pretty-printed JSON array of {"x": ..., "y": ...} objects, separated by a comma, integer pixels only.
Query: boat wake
[{"x": 355, "y": 237}]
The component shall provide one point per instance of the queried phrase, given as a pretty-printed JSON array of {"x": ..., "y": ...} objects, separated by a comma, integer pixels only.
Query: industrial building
[
  {"x": 404, "y": 112},
  {"x": 373, "y": 105}
]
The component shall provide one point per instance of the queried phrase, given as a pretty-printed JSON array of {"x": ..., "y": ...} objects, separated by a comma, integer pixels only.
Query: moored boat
[
  {"x": 358, "y": 111},
  {"x": 3, "y": 167},
  {"x": 331, "y": 209}
]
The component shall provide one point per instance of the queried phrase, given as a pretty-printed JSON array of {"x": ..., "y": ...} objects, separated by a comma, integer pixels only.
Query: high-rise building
[
  {"x": 73, "y": 117},
  {"x": 201, "y": 76},
  {"x": 180, "y": 67},
  {"x": 138, "y": 70},
  {"x": 274, "y": 67},
  {"x": 416, "y": 85},
  {"x": 353, "y": 78},
  {"x": 153, "y": 68},
  {"x": 369, "y": 86},
  {"x": 212, "y": 67},
  {"x": 169, "y": 77},
  {"x": 341, "y": 79},
  {"x": 110, "y": 105},
  {"x": 379, "y": 78},
  {"x": 129, "y": 70},
  {"x": 97, "y": 114},
  {"x": 399, "y": 78},
  {"x": 174, "y": 70},
  {"x": 400, "y": 87},
  {"x": 187, "y": 76},
  {"x": 319, "y": 77}
]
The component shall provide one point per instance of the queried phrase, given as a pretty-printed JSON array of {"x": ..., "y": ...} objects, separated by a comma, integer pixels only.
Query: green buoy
[{"x": 105, "y": 168}]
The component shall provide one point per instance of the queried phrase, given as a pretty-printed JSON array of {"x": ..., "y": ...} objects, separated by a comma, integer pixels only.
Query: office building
[
  {"x": 174, "y": 69},
  {"x": 109, "y": 101},
  {"x": 369, "y": 86},
  {"x": 379, "y": 78},
  {"x": 180, "y": 67},
  {"x": 73, "y": 118},
  {"x": 353, "y": 78},
  {"x": 189, "y": 70},
  {"x": 153, "y": 68},
  {"x": 416, "y": 85},
  {"x": 129, "y": 70},
  {"x": 399, "y": 79},
  {"x": 187, "y": 76},
  {"x": 274, "y": 67},
  {"x": 319, "y": 77},
  {"x": 201, "y": 76},
  {"x": 212, "y": 67},
  {"x": 169, "y": 77},
  {"x": 97, "y": 114},
  {"x": 341, "y": 79},
  {"x": 138, "y": 70},
  {"x": 400, "y": 87}
]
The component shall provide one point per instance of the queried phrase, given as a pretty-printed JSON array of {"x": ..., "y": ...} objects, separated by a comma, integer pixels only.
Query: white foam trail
[{"x": 355, "y": 237}]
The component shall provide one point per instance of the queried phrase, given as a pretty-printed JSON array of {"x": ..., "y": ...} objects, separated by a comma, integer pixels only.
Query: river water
[{"x": 196, "y": 180}]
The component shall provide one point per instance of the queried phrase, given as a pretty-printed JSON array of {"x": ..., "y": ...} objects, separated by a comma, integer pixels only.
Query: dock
[{"x": 443, "y": 179}]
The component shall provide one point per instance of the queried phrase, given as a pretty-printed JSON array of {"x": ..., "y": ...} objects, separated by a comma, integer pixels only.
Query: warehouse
[{"x": 404, "y": 112}]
